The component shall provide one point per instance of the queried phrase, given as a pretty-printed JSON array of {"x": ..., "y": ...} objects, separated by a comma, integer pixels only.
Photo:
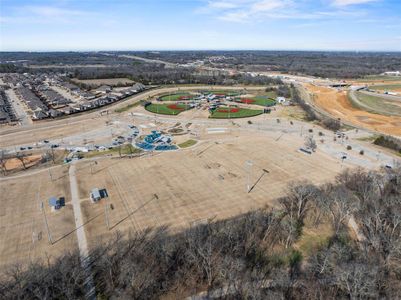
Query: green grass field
[
  {"x": 379, "y": 77},
  {"x": 385, "y": 87},
  {"x": 231, "y": 113},
  {"x": 187, "y": 144},
  {"x": 375, "y": 104},
  {"x": 176, "y": 96},
  {"x": 258, "y": 100},
  {"x": 222, "y": 92},
  {"x": 167, "y": 109}
]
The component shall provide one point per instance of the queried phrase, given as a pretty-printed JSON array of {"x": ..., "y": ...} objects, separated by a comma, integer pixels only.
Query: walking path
[{"x": 81, "y": 236}]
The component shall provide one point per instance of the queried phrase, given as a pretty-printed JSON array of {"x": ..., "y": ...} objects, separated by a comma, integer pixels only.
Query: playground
[{"x": 156, "y": 141}]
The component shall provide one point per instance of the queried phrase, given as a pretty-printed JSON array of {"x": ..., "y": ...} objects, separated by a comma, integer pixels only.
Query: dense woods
[
  {"x": 315, "y": 63},
  {"x": 88, "y": 65},
  {"x": 252, "y": 256}
]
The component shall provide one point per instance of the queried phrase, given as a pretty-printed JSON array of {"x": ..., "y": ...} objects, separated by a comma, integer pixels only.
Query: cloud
[
  {"x": 36, "y": 14},
  {"x": 246, "y": 11},
  {"x": 243, "y": 10},
  {"x": 269, "y": 5},
  {"x": 53, "y": 12},
  {"x": 222, "y": 4},
  {"x": 350, "y": 2}
]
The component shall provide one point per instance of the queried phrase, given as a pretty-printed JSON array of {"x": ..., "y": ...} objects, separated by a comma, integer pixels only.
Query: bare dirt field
[
  {"x": 107, "y": 81},
  {"x": 206, "y": 181},
  {"x": 14, "y": 163},
  {"x": 337, "y": 104},
  {"x": 23, "y": 231}
]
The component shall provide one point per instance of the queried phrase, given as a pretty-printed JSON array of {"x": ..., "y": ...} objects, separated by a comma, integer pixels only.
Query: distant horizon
[
  {"x": 201, "y": 50},
  {"x": 200, "y": 25}
]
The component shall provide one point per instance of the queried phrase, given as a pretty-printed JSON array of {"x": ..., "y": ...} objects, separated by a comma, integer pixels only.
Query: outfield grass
[
  {"x": 175, "y": 96},
  {"x": 258, "y": 100},
  {"x": 374, "y": 104},
  {"x": 167, "y": 109},
  {"x": 230, "y": 113},
  {"x": 187, "y": 144},
  {"x": 222, "y": 92},
  {"x": 271, "y": 94}
]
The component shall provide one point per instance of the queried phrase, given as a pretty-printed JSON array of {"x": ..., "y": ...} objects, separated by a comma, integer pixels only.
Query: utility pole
[
  {"x": 106, "y": 213},
  {"x": 47, "y": 225},
  {"x": 248, "y": 167}
]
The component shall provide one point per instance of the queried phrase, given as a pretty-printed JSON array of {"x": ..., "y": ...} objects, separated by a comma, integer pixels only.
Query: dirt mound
[
  {"x": 337, "y": 104},
  {"x": 15, "y": 164}
]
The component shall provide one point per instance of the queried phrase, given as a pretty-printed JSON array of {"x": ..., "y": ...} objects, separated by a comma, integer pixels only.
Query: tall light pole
[
  {"x": 248, "y": 167},
  {"x": 47, "y": 225},
  {"x": 106, "y": 211}
]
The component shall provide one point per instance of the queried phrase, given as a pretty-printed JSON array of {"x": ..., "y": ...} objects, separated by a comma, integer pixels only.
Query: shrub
[
  {"x": 349, "y": 147},
  {"x": 332, "y": 124},
  {"x": 361, "y": 152},
  {"x": 388, "y": 142}
]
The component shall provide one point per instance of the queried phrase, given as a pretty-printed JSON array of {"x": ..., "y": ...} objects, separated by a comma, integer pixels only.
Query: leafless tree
[
  {"x": 21, "y": 157},
  {"x": 3, "y": 161},
  {"x": 310, "y": 143}
]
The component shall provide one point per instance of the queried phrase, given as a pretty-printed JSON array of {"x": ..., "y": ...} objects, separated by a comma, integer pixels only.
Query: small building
[
  {"x": 56, "y": 203},
  {"x": 97, "y": 194}
]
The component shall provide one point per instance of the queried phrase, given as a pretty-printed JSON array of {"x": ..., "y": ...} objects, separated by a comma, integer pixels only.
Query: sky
[{"x": 86, "y": 25}]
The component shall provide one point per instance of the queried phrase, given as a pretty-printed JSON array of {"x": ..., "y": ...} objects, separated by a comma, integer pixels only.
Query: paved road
[
  {"x": 88, "y": 116},
  {"x": 81, "y": 236},
  {"x": 382, "y": 95}
]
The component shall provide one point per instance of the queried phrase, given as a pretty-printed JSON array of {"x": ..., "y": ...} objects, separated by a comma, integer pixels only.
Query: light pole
[
  {"x": 106, "y": 211},
  {"x": 47, "y": 225},
  {"x": 248, "y": 167}
]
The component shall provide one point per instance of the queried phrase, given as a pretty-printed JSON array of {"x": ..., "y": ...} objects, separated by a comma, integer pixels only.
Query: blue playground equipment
[{"x": 156, "y": 141}]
